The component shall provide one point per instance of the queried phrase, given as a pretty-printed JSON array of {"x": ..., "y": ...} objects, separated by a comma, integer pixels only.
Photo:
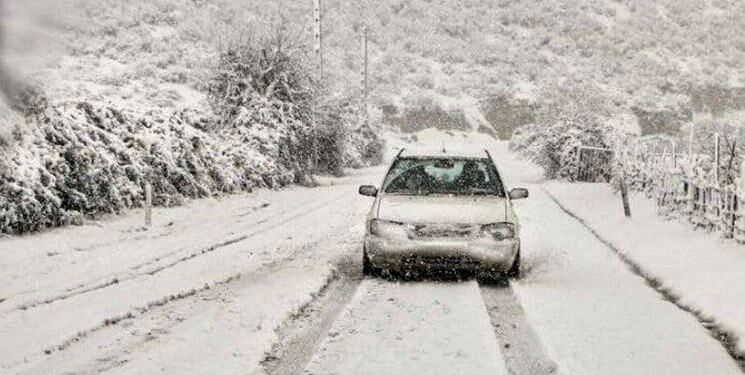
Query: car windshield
[{"x": 424, "y": 176}]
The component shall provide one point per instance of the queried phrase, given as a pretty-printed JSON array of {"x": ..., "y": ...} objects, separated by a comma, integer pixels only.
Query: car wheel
[
  {"x": 514, "y": 271},
  {"x": 367, "y": 267},
  {"x": 490, "y": 277}
]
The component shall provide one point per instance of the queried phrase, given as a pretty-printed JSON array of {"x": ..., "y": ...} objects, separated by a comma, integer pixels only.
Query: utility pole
[
  {"x": 365, "y": 75},
  {"x": 690, "y": 141},
  {"x": 318, "y": 18},
  {"x": 717, "y": 146},
  {"x": 4, "y": 86}
]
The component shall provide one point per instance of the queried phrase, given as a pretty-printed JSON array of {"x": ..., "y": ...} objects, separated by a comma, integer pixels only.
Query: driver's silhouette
[{"x": 471, "y": 177}]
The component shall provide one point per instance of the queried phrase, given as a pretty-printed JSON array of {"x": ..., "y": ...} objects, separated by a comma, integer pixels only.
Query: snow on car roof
[{"x": 457, "y": 152}]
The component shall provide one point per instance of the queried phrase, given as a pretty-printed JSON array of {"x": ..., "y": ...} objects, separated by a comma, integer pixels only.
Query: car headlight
[
  {"x": 384, "y": 228},
  {"x": 500, "y": 231}
]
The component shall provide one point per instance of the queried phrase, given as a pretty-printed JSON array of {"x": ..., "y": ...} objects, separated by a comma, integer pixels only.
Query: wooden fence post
[
  {"x": 739, "y": 234},
  {"x": 625, "y": 196},
  {"x": 579, "y": 163},
  {"x": 735, "y": 210},
  {"x": 732, "y": 213},
  {"x": 148, "y": 204}
]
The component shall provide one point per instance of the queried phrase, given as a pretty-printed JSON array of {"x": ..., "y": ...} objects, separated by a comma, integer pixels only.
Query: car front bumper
[{"x": 444, "y": 253}]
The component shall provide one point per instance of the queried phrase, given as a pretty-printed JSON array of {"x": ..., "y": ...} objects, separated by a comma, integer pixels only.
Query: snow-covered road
[
  {"x": 432, "y": 327},
  {"x": 51, "y": 302},
  {"x": 267, "y": 282},
  {"x": 594, "y": 315}
]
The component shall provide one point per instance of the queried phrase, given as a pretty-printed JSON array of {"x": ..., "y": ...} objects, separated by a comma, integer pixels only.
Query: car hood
[{"x": 442, "y": 209}]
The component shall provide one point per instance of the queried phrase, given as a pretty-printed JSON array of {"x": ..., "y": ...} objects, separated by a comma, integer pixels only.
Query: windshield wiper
[
  {"x": 409, "y": 192},
  {"x": 480, "y": 192}
]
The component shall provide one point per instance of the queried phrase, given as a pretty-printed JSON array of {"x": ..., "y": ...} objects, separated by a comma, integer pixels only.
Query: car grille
[
  {"x": 442, "y": 231},
  {"x": 447, "y": 262}
]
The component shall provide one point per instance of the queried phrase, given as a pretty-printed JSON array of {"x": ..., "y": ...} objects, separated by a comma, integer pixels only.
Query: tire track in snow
[
  {"x": 423, "y": 327},
  {"x": 134, "y": 274},
  {"x": 522, "y": 349},
  {"x": 145, "y": 237},
  {"x": 727, "y": 339},
  {"x": 114, "y": 278},
  {"x": 253, "y": 276},
  {"x": 301, "y": 334}
]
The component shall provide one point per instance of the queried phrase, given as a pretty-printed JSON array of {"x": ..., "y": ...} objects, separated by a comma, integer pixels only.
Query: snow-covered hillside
[
  {"x": 647, "y": 62},
  {"x": 169, "y": 93}
]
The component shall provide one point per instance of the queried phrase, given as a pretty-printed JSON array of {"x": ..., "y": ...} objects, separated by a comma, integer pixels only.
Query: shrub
[
  {"x": 554, "y": 147},
  {"x": 262, "y": 88},
  {"x": 268, "y": 127}
]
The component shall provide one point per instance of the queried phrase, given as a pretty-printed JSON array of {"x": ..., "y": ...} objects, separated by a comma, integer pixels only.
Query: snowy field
[{"x": 216, "y": 286}]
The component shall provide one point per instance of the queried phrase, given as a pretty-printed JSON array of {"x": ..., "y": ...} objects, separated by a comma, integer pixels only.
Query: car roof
[{"x": 444, "y": 152}]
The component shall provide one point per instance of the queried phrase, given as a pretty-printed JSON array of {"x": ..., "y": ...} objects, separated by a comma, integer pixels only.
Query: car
[{"x": 442, "y": 210}]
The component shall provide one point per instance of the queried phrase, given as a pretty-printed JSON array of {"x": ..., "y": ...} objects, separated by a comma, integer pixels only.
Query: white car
[{"x": 444, "y": 211}]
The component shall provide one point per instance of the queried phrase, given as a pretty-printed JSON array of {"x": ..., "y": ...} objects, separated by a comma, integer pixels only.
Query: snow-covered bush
[
  {"x": 338, "y": 139},
  {"x": 267, "y": 127},
  {"x": 263, "y": 89},
  {"x": 554, "y": 146},
  {"x": 83, "y": 159}
]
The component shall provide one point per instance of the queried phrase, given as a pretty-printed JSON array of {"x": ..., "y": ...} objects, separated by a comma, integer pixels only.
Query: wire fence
[
  {"x": 705, "y": 204},
  {"x": 689, "y": 186},
  {"x": 594, "y": 163}
]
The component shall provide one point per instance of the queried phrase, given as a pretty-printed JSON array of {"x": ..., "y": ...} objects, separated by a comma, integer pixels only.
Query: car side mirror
[
  {"x": 369, "y": 191},
  {"x": 519, "y": 193}
]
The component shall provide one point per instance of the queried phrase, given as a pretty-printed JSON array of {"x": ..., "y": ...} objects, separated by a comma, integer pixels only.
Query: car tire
[
  {"x": 514, "y": 271},
  {"x": 490, "y": 277},
  {"x": 368, "y": 269}
]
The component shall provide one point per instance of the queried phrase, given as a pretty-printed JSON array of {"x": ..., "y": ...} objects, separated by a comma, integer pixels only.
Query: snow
[
  {"x": 221, "y": 330},
  {"x": 474, "y": 48},
  {"x": 426, "y": 327},
  {"x": 624, "y": 122},
  {"x": 38, "y": 267},
  {"x": 433, "y": 138},
  {"x": 594, "y": 315},
  {"x": 135, "y": 95},
  {"x": 232, "y": 336},
  {"x": 444, "y": 151},
  {"x": 204, "y": 290},
  {"x": 703, "y": 270},
  {"x": 210, "y": 242}
]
